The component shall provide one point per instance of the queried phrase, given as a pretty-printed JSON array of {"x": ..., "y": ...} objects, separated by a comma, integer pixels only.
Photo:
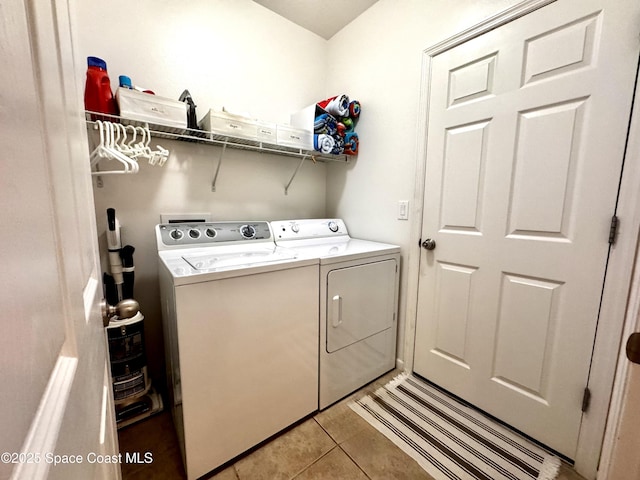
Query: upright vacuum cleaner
[{"x": 135, "y": 398}]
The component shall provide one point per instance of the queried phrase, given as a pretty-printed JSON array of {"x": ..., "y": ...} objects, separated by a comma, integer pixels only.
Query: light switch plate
[{"x": 403, "y": 210}]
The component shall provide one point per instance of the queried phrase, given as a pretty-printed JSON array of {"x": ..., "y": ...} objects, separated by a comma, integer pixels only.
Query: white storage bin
[
  {"x": 145, "y": 107},
  {"x": 267, "y": 132},
  {"x": 306, "y": 117},
  {"x": 295, "y": 137},
  {"x": 227, "y": 124}
]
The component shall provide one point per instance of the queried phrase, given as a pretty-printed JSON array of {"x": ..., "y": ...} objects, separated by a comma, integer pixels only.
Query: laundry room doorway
[{"x": 525, "y": 142}]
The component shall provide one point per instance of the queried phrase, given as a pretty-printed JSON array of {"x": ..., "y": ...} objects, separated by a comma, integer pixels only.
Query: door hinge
[
  {"x": 586, "y": 399},
  {"x": 613, "y": 230}
]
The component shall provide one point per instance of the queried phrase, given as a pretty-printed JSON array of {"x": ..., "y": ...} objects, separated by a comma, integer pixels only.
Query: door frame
[
  {"x": 620, "y": 265},
  {"x": 614, "y": 448}
]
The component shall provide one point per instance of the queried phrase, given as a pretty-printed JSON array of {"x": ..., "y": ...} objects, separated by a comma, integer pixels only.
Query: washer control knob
[
  {"x": 210, "y": 232},
  {"x": 176, "y": 234},
  {"x": 295, "y": 228},
  {"x": 193, "y": 233},
  {"x": 333, "y": 226},
  {"x": 247, "y": 231}
]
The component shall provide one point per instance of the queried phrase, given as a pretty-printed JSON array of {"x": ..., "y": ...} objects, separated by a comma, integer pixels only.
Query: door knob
[
  {"x": 633, "y": 348},
  {"x": 429, "y": 244},
  {"x": 124, "y": 309}
]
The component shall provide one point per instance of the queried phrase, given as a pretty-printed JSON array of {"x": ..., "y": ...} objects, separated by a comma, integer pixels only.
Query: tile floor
[{"x": 336, "y": 444}]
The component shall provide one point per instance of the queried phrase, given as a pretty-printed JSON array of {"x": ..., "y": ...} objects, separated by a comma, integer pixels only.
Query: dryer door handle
[{"x": 336, "y": 314}]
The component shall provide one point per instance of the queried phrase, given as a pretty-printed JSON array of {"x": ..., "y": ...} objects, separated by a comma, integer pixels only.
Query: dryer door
[{"x": 360, "y": 302}]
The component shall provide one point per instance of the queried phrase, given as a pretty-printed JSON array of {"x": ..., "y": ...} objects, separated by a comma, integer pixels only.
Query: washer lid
[
  {"x": 194, "y": 265},
  {"x": 339, "y": 250},
  {"x": 219, "y": 260}
]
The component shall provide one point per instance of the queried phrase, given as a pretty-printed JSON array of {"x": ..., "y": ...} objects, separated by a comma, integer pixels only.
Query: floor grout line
[
  {"x": 315, "y": 461},
  {"x": 325, "y": 430},
  {"x": 354, "y": 461}
]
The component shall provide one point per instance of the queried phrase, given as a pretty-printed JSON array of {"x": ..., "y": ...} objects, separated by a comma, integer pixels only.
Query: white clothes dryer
[
  {"x": 240, "y": 319},
  {"x": 358, "y": 302}
]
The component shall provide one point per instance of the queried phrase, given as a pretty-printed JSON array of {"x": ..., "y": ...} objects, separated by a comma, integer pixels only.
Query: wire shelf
[{"x": 203, "y": 137}]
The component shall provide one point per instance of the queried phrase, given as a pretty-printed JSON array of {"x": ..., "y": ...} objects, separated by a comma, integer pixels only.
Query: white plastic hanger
[
  {"x": 115, "y": 145},
  {"x": 107, "y": 150},
  {"x": 143, "y": 145},
  {"x": 160, "y": 156},
  {"x": 99, "y": 152},
  {"x": 130, "y": 164},
  {"x": 123, "y": 147}
]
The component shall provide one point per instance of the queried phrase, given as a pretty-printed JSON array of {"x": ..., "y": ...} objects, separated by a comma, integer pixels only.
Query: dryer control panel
[
  {"x": 308, "y": 228},
  {"x": 202, "y": 234}
]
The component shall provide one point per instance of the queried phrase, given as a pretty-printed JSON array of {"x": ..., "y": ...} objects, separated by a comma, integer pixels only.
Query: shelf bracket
[
  {"x": 215, "y": 175},
  {"x": 304, "y": 157}
]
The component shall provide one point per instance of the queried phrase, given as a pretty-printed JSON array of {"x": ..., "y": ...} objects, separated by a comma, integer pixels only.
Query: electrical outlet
[{"x": 403, "y": 210}]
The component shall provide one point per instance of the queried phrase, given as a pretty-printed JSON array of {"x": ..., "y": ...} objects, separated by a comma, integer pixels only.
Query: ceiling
[{"x": 322, "y": 17}]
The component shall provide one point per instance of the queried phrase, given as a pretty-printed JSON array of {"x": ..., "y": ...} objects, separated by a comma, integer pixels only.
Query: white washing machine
[
  {"x": 240, "y": 319},
  {"x": 358, "y": 302}
]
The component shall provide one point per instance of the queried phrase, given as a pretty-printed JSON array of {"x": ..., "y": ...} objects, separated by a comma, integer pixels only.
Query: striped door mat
[{"x": 450, "y": 440}]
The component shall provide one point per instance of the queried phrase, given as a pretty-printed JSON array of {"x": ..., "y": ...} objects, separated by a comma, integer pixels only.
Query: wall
[
  {"x": 381, "y": 67},
  {"x": 226, "y": 54}
]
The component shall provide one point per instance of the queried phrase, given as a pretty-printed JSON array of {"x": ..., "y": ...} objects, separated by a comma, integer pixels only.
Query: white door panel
[
  {"x": 525, "y": 146},
  {"x": 54, "y": 358}
]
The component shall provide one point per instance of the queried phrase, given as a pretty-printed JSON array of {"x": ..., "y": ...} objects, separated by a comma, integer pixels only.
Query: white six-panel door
[
  {"x": 57, "y": 415},
  {"x": 525, "y": 141}
]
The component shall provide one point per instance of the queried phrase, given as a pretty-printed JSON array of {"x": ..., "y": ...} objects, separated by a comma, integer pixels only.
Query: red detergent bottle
[{"x": 98, "y": 96}]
